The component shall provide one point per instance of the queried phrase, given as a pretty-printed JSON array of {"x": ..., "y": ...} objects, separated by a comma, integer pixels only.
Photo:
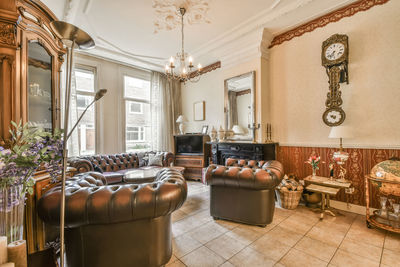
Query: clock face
[
  {"x": 334, "y": 51},
  {"x": 334, "y": 116}
]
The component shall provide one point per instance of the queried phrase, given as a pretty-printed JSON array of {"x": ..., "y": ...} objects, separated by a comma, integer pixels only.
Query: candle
[
  {"x": 171, "y": 60},
  {"x": 3, "y": 249},
  {"x": 17, "y": 253},
  {"x": 199, "y": 66},
  {"x": 190, "y": 60}
]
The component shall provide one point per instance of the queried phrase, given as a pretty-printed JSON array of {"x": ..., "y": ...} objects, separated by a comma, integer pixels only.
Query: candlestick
[
  {"x": 3, "y": 249},
  {"x": 17, "y": 253}
]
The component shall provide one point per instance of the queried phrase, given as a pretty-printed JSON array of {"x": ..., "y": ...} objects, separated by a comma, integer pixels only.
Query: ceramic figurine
[{"x": 213, "y": 135}]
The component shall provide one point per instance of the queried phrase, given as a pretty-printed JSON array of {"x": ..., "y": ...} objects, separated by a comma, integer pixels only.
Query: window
[
  {"x": 135, "y": 108},
  {"x": 137, "y": 114},
  {"x": 135, "y": 133},
  {"x": 85, "y": 91}
]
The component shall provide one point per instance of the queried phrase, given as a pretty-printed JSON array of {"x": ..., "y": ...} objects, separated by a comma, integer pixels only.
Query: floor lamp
[{"x": 72, "y": 37}]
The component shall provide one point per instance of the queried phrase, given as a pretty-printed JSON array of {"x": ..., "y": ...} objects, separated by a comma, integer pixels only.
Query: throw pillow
[
  {"x": 96, "y": 168},
  {"x": 155, "y": 160},
  {"x": 143, "y": 159}
]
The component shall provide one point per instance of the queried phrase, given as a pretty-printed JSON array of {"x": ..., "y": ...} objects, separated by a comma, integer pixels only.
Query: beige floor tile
[
  {"x": 327, "y": 235},
  {"x": 283, "y": 212},
  {"x": 250, "y": 257},
  {"x": 270, "y": 247},
  {"x": 207, "y": 232},
  {"x": 244, "y": 235},
  {"x": 202, "y": 257},
  {"x": 297, "y": 223},
  {"x": 343, "y": 258},
  {"x": 340, "y": 227},
  {"x": 284, "y": 236},
  {"x": 172, "y": 259},
  {"x": 227, "y": 264},
  {"x": 257, "y": 228},
  {"x": 278, "y": 218},
  {"x": 316, "y": 248},
  {"x": 391, "y": 258},
  {"x": 368, "y": 236},
  {"x": 361, "y": 249},
  {"x": 392, "y": 241},
  {"x": 178, "y": 215},
  {"x": 297, "y": 258},
  {"x": 177, "y": 263},
  {"x": 229, "y": 225},
  {"x": 184, "y": 244},
  {"x": 225, "y": 246}
]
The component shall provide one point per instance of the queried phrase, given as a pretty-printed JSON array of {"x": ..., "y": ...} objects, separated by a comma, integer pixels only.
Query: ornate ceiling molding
[
  {"x": 322, "y": 21},
  {"x": 168, "y": 17},
  {"x": 206, "y": 69}
]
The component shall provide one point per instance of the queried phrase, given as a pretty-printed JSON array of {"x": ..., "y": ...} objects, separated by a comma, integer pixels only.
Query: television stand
[{"x": 193, "y": 162}]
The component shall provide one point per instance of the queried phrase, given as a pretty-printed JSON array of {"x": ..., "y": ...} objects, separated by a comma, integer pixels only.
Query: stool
[{"x": 326, "y": 192}]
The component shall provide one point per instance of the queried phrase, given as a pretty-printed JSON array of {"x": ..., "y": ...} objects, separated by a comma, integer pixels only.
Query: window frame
[
  {"x": 136, "y": 74},
  {"x": 95, "y": 105}
]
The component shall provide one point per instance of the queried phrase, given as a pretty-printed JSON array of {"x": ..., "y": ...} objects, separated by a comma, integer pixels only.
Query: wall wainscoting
[{"x": 359, "y": 164}]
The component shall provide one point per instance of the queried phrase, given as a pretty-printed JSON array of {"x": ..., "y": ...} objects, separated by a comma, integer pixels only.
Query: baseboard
[{"x": 349, "y": 207}]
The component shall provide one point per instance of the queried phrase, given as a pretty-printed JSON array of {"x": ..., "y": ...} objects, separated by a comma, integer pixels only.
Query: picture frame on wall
[
  {"x": 199, "y": 111},
  {"x": 204, "y": 130}
]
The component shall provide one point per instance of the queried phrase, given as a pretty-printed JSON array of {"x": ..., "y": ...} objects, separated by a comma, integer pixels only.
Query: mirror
[
  {"x": 39, "y": 86},
  {"x": 239, "y": 105}
]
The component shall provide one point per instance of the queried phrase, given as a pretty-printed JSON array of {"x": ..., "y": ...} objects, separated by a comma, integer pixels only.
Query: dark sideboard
[{"x": 220, "y": 151}]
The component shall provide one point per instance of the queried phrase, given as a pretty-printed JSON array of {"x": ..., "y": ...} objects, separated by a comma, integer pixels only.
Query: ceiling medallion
[{"x": 169, "y": 18}]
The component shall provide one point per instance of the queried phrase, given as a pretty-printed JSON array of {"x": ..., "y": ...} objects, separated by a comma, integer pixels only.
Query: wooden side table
[{"x": 326, "y": 192}]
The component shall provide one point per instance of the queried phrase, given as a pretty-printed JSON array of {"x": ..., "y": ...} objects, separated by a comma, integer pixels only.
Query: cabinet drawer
[{"x": 188, "y": 162}]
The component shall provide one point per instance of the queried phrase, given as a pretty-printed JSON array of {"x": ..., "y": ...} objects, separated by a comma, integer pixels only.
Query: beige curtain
[{"x": 166, "y": 107}]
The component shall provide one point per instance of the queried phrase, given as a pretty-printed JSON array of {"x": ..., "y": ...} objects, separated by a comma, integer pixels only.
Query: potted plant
[{"x": 28, "y": 150}]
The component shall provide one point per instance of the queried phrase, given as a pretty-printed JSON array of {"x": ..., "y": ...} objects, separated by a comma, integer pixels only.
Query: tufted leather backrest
[
  {"x": 268, "y": 177},
  {"x": 89, "y": 200},
  {"x": 244, "y": 163},
  {"x": 114, "y": 162}
]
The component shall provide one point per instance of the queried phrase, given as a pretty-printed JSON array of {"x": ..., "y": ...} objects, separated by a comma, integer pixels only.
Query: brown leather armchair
[
  {"x": 116, "y": 225},
  {"x": 244, "y": 194}
]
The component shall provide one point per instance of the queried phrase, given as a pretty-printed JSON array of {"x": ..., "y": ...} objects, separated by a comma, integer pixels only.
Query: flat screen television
[{"x": 189, "y": 144}]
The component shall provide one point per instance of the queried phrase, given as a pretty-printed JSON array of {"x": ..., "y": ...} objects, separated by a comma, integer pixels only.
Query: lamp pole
[{"x": 72, "y": 37}]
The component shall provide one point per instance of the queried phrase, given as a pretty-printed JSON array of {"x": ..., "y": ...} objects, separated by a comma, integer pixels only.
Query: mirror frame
[{"x": 252, "y": 90}]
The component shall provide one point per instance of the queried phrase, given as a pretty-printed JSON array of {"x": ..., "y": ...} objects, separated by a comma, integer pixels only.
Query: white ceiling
[{"x": 124, "y": 31}]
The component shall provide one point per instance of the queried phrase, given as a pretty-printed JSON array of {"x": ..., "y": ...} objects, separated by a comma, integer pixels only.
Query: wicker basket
[{"x": 289, "y": 199}]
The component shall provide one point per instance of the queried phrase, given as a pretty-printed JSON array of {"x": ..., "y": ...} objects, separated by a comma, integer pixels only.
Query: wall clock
[{"x": 335, "y": 56}]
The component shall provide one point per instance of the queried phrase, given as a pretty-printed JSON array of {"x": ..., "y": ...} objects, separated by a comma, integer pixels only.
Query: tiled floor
[{"x": 294, "y": 238}]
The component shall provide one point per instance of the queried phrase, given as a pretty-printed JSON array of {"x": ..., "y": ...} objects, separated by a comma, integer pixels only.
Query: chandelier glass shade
[{"x": 180, "y": 67}]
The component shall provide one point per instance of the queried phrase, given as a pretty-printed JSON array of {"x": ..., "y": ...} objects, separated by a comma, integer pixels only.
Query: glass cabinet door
[{"x": 39, "y": 86}]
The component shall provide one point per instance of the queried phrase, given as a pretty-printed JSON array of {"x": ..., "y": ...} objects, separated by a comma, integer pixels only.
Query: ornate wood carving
[
  {"x": 206, "y": 69},
  {"x": 39, "y": 64},
  {"x": 360, "y": 163},
  {"x": 7, "y": 34},
  {"x": 322, "y": 21}
]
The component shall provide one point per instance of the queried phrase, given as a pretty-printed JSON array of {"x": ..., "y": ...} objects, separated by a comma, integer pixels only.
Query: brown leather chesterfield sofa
[
  {"x": 114, "y": 166},
  {"x": 116, "y": 225},
  {"x": 244, "y": 194}
]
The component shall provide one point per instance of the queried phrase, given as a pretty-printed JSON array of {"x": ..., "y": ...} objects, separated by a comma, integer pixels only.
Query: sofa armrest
[
  {"x": 267, "y": 178},
  {"x": 93, "y": 204},
  {"x": 82, "y": 165}
]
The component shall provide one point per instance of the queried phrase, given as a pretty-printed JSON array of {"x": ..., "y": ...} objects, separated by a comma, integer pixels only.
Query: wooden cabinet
[
  {"x": 220, "y": 151},
  {"x": 194, "y": 163},
  {"x": 30, "y": 64}
]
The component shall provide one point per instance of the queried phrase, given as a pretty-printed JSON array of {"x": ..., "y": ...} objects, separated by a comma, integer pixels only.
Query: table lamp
[
  {"x": 181, "y": 120},
  {"x": 340, "y": 157}
]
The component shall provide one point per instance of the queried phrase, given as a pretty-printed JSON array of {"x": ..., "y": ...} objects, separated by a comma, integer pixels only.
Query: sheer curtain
[
  {"x": 73, "y": 141},
  {"x": 166, "y": 106}
]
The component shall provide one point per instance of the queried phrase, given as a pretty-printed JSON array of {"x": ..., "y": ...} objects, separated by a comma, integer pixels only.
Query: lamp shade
[
  {"x": 237, "y": 129},
  {"x": 341, "y": 132},
  {"x": 181, "y": 119}
]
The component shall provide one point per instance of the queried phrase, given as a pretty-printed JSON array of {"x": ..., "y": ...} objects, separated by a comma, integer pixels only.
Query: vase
[
  {"x": 314, "y": 172},
  {"x": 12, "y": 203}
]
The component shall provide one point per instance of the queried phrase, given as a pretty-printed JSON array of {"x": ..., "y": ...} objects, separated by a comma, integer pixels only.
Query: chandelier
[{"x": 182, "y": 72}]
